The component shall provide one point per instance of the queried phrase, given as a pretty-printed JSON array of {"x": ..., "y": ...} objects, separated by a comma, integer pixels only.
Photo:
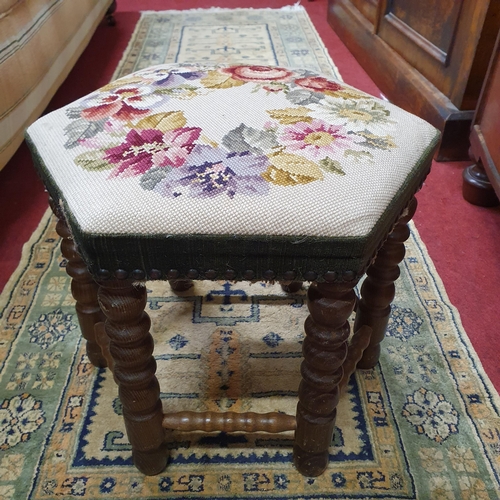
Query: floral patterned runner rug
[{"x": 423, "y": 424}]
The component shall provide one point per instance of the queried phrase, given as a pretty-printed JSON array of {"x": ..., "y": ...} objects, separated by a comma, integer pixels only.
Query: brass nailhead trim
[
  {"x": 103, "y": 274},
  {"x": 310, "y": 276},
  {"x": 155, "y": 274},
  {"x": 330, "y": 276},
  {"x": 269, "y": 274},
  {"x": 249, "y": 274},
  {"x": 230, "y": 274},
  {"x": 192, "y": 274},
  {"x": 211, "y": 274},
  {"x": 138, "y": 274},
  {"x": 121, "y": 274},
  {"x": 172, "y": 274}
]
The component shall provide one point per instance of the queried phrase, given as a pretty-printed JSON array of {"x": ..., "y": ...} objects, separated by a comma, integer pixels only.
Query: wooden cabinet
[
  {"x": 427, "y": 56},
  {"x": 482, "y": 179}
]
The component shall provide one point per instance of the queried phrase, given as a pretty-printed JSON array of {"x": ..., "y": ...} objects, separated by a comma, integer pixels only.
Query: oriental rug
[{"x": 424, "y": 424}]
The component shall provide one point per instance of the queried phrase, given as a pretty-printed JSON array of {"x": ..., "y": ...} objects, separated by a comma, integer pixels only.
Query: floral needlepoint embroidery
[
  {"x": 19, "y": 418},
  {"x": 258, "y": 73},
  {"x": 431, "y": 414},
  {"x": 210, "y": 171},
  {"x": 316, "y": 139},
  {"x": 139, "y": 127}
]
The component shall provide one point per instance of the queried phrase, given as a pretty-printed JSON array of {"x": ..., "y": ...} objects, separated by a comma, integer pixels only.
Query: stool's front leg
[
  {"x": 131, "y": 347},
  {"x": 83, "y": 289},
  {"x": 378, "y": 290},
  {"x": 324, "y": 349}
]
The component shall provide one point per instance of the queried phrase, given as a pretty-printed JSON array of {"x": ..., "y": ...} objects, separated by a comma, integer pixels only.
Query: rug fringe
[{"x": 296, "y": 7}]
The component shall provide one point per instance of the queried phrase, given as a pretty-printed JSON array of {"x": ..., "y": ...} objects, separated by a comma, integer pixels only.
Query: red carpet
[{"x": 463, "y": 240}]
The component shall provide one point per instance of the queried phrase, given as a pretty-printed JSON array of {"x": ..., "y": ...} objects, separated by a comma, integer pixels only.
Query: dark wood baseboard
[{"x": 402, "y": 84}]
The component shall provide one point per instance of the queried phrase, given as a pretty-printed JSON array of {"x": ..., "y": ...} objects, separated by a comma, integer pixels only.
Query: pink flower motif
[
  {"x": 258, "y": 73},
  {"x": 123, "y": 104},
  {"x": 318, "y": 84},
  {"x": 316, "y": 139},
  {"x": 177, "y": 145},
  {"x": 144, "y": 149}
]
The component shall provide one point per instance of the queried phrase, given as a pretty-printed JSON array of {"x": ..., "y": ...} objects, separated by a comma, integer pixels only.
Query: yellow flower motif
[
  {"x": 290, "y": 170},
  {"x": 432, "y": 459},
  {"x": 346, "y": 93},
  {"x": 289, "y": 116},
  {"x": 11, "y": 467},
  {"x": 462, "y": 459},
  {"x": 473, "y": 488},
  {"x": 57, "y": 284},
  {"x": 163, "y": 121},
  {"x": 51, "y": 299},
  {"x": 218, "y": 80},
  {"x": 121, "y": 82},
  {"x": 441, "y": 488}
]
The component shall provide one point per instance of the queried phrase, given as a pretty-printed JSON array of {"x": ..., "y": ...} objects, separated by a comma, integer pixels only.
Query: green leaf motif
[
  {"x": 81, "y": 129},
  {"x": 332, "y": 166},
  {"x": 359, "y": 156},
  {"x": 93, "y": 161}
]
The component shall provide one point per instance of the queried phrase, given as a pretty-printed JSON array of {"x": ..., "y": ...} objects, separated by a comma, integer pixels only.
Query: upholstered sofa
[{"x": 40, "y": 40}]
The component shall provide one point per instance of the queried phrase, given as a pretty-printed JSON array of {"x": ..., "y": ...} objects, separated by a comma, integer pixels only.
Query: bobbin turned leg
[
  {"x": 131, "y": 347},
  {"x": 324, "y": 349},
  {"x": 291, "y": 286},
  {"x": 378, "y": 290},
  {"x": 83, "y": 289},
  {"x": 180, "y": 285}
]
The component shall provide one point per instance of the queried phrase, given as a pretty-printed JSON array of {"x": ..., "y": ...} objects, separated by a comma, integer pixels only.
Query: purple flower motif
[
  {"x": 144, "y": 149},
  {"x": 174, "y": 79},
  {"x": 211, "y": 171}
]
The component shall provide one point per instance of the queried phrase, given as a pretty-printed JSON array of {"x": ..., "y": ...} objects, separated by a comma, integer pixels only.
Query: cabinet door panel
[
  {"x": 435, "y": 38},
  {"x": 368, "y": 8},
  {"x": 421, "y": 16}
]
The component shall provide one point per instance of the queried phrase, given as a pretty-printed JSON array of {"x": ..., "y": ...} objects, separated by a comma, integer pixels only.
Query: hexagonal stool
[{"x": 185, "y": 172}]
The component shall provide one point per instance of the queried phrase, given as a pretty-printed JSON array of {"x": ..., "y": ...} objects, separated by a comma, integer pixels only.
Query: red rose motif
[
  {"x": 258, "y": 73},
  {"x": 318, "y": 84}
]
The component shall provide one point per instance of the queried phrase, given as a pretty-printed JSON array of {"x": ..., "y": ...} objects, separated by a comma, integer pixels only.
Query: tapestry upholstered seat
[{"x": 187, "y": 172}]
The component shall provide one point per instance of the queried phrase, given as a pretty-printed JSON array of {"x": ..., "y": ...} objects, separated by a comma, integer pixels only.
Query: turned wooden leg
[
  {"x": 131, "y": 347},
  {"x": 378, "y": 290},
  {"x": 291, "y": 286},
  {"x": 180, "y": 285},
  {"x": 83, "y": 289},
  {"x": 109, "y": 14},
  {"x": 476, "y": 186},
  {"x": 324, "y": 349}
]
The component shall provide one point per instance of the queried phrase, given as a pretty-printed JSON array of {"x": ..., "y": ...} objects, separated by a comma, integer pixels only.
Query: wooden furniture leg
[
  {"x": 83, "y": 289},
  {"x": 180, "y": 285},
  {"x": 291, "y": 286},
  {"x": 378, "y": 290},
  {"x": 109, "y": 14},
  {"x": 477, "y": 188},
  {"x": 324, "y": 349},
  {"x": 131, "y": 347}
]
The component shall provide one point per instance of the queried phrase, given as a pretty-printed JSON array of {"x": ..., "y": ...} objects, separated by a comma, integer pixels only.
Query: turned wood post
[
  {"x": 324, "y": 349},
  {"x": 378, "y": 290},
  {"x": 83, "y": 289},
  {"x": 131, "y": 347},
  {"x": 180, "y": 285},
  {"x": 109, "y": 14}
]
